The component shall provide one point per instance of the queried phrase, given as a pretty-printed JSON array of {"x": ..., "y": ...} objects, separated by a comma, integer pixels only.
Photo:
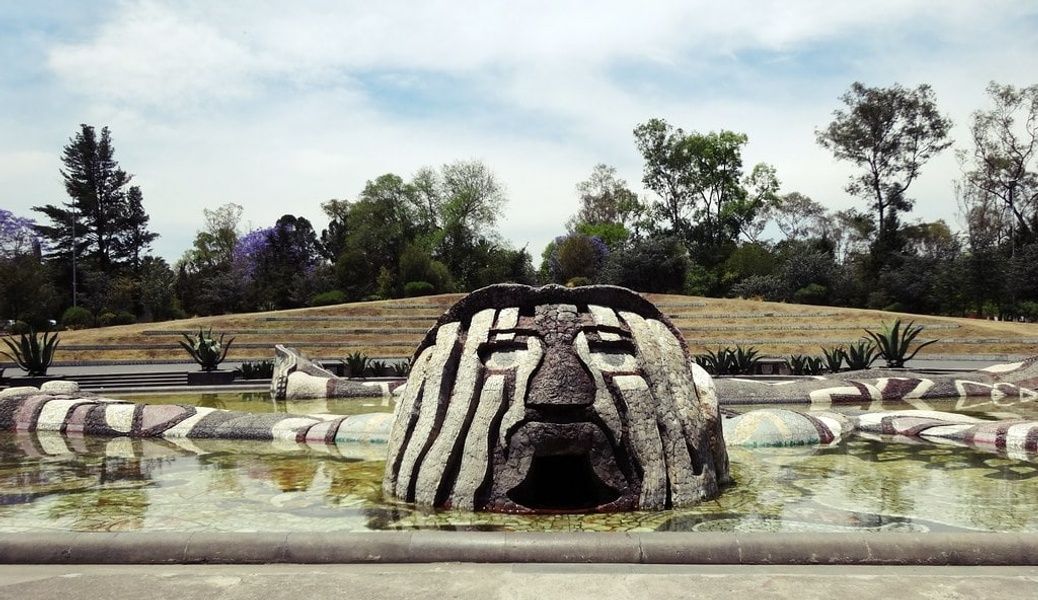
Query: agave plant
[
  {"x": 206, "y": 350},
  {"x": 357, "y": 363},
  {"x": 834, "y": 358},
  {"x": 893, "y": 343},
  {"x": 263, "y": 369},
  {"x": 721, "y": 362},
  {"x": 744, "y": 361},
  {"x": 376, "y": 367},
  {"x": 402, "y": 369},
  {"x": 802, "y": 364},
  {"x": 32, "y": 352},
  {"x": 860, "y": 355}
]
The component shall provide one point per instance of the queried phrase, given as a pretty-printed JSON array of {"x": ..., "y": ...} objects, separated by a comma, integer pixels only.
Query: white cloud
[{"x": 269, "y": 104}]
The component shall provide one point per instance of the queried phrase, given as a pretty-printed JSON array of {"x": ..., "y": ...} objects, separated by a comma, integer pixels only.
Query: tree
[
  {"x": 472, "y": 196},
  {"x": 650, "y": 265},
  {"x": 439, "y": 227},
  {"x": 333, "y": 238},
  {"x": 849, "y": 230},
  {"x": 575, "y": 256},
  {"x": 134, "y": 239},
  {"x": 214, "y": 244},
  {"x": 378, "y": 226},
  {"x": 891, "y": 133},
  {"x": 1002, "y": 169},
  {"x": 472, "y": 199},
  {"x": 283, "y": 264},
  {"x": 157, "y": 289},
  {"x": 761, "y": 187},
  {"x": 26, "y": 292},
  {"x": 94, "y": 182},
  {"x": 704, "y": 198},
  {"x": 427, "y": 199},
  {"x": 17, "y": 234},
  {"x": 206, "y": 283},
  {"x": 798, "y": 216},
  {"x": 607, "y": 206}
]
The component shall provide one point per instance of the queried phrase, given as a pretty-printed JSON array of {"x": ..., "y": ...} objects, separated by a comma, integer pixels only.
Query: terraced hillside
[{"x": 393, "y": 329}]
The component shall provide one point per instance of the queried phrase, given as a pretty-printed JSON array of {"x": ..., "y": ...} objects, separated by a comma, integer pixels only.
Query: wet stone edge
[{"x": 905, "y": 549}]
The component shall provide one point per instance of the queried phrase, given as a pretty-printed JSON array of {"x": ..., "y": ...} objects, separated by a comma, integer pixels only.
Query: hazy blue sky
[{"x": 280, "y": 105}]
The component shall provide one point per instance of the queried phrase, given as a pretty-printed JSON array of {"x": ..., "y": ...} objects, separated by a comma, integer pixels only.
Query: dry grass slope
[{"x": 393, "y": 328}]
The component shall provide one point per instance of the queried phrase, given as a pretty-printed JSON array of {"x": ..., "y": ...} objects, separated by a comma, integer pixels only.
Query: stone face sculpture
[{"x": 553, "y": 399}]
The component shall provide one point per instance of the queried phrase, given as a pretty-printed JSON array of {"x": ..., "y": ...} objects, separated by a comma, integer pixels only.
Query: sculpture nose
[{"x": 562, "y": 381}]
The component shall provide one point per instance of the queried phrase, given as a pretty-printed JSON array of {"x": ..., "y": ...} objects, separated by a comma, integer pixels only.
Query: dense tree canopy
[
  {"x": 704, "y": 198},
  {"x": 705, "y": 225}
]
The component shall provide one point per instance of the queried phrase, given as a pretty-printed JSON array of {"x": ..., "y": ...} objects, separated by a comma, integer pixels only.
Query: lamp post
[{"x": 74, "y": 295}]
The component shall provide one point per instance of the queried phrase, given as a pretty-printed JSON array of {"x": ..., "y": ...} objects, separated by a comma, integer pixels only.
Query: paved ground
[{"x": 534, "y": 581}]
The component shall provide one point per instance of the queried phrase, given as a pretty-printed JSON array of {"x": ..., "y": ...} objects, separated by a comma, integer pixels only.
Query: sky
[{"x": 278, "y": 106}]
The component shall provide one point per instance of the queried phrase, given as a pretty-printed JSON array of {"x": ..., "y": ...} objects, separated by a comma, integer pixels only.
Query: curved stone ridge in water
[
  {"x": 781, "y": 427},
  {"x": 554, "y": 399},
  {"x": 1017, "y": 381},
  {"x": 299, "y": 378},
  {"x": 30, "y": 411},
  {"x": 1015, "y": 438}
]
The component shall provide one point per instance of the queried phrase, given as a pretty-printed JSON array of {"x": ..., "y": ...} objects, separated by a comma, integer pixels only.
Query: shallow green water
[
  {"x": 260, "y": 402},
  {"x": 48, "y": 482}
]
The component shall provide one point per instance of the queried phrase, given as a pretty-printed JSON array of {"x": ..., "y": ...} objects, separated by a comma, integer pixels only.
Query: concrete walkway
[{"x": 442, "y": 581}]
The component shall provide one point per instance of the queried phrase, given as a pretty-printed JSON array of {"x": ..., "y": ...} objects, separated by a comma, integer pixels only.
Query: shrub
[
  {"x": 376, "y": 367},
  {"x": 206, "y": 350},
  {"x": 893, "y": 343},
  {"x": 649, "y": 265},
  {"x": 578, "y": 281},
  {"x": 768, "y": 287},
  {"x": 122, "y": 317},
  {"x": 418, "y": 288},
  {"x": 813, "y": 293},
  {"x": 33, "y": 353},
  {"x": 19, "y": 327},
  {"x": 749, "y": 260},
  {"x": 328, "y": 298},
  {"x": 77, "y": 317},
  {"x": 1028, "y": 310},
  {"x": 805, "y": 266}
]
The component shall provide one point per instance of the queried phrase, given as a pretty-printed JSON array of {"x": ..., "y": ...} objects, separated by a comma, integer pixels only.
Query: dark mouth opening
[{"x": 561, "y": 483}]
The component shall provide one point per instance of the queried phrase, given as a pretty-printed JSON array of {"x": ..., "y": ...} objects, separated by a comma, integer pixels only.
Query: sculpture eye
[
  {"x": 504, "y": 355},
  {"x": 613, "y": 356}
]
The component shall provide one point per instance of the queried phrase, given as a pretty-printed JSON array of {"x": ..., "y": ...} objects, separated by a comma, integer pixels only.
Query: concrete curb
[{"x": 932, "y": 549}]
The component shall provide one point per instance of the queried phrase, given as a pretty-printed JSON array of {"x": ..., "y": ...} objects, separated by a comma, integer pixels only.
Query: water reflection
[
  {"x": 261, "y": 402},
  {"x": 52, "y": 482}
]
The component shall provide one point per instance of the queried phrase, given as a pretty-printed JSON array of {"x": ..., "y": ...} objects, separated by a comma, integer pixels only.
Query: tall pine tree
[
  {"x": 134, "y": 237},
  {"x": 95, "y": 184},
  {"x": 105, "y": 220}
]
